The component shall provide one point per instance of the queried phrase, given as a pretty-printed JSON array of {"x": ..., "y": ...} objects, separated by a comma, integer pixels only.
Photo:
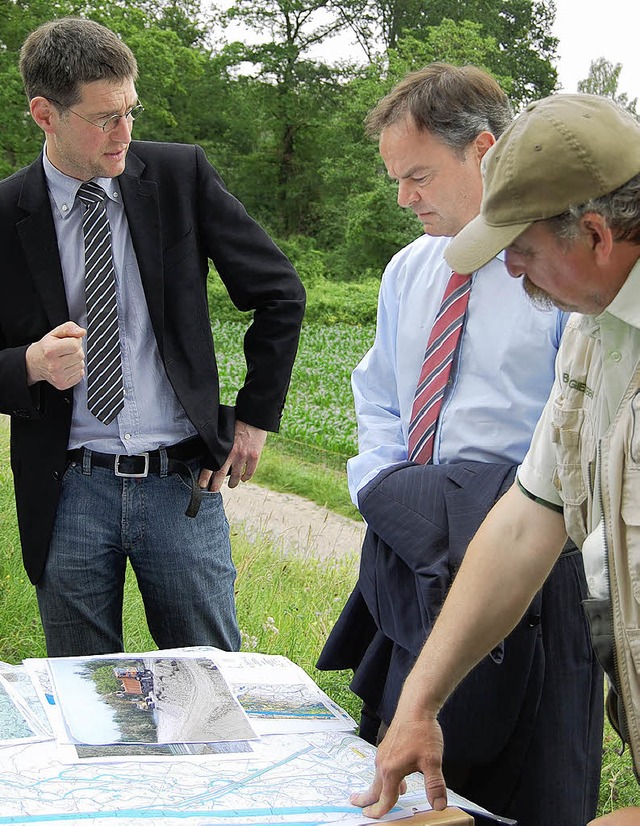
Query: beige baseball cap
[{"x": 561, "y": 151}]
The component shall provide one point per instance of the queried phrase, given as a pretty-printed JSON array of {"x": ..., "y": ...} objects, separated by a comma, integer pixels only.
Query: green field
[{"x": 319, "y": 409}]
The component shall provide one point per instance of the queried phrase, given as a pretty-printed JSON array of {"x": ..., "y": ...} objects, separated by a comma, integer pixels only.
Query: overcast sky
[{"x": 588, "y": 29}]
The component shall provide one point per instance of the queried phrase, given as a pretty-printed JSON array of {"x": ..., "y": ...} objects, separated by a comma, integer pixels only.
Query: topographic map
[
  {"x": 293, "y": 779},
  {"x": 301, "y": 776}
]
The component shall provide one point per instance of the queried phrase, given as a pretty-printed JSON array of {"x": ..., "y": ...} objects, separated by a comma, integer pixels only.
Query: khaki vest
[
  {"x": 615, "y": 464},
  {"x": 620, "y": 484}
]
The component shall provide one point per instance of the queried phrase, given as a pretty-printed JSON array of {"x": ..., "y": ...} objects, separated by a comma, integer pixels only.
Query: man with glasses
[
  {"x": 119, "y": 443},
  {"x": 110, "y": 123}
]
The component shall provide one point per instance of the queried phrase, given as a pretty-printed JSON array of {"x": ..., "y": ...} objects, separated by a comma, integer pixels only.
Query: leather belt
[{"x": 140, "y": 465}]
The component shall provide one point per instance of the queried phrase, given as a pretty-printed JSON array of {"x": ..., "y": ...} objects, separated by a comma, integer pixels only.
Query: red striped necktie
[{"x": 438, "y": 358}]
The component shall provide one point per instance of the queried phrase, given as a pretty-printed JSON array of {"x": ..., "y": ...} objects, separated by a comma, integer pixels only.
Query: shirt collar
[
  {"x": 626, "y": 305},
  {"x": 63, "y": 188}
]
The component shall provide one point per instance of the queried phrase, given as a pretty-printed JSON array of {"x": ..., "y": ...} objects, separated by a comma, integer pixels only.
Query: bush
[
  {"x": 338, "y": 302},
  {"x": 309, "y": 261}
]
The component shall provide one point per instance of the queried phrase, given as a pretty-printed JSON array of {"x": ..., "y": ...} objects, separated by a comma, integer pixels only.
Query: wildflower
[
  {"x": 270, "y": 626},
  {"x": 248, "y": 642}
]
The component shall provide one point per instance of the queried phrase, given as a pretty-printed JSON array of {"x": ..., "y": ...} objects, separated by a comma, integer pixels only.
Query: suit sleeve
[
  {"x": 16, "y": 397},
  {"x": 258, "y": 278},
  {"x": 22, "y": 319}
]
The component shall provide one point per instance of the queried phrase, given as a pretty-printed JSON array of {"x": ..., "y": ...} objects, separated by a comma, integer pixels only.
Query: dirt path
[{"x": 293, "y": 524}]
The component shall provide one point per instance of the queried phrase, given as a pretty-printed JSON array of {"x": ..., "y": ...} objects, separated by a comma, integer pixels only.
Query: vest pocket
[
  {"x": 630, "y": 515},
  {"x": 572, "y": 442},
  {"x": 630, "y": 502},
  {"x": 567, "y": 434},
  {"x": 634, "y": 447}
]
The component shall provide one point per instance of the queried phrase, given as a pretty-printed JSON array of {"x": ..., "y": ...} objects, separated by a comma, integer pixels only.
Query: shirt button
[
  {"x": 64, "y": 208},
  {"x": 616, "y": 356},
  {"x": 127, "y": 436}
]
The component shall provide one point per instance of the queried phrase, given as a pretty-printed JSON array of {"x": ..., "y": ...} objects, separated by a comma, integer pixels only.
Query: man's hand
[
  {"x": 58, "y": 357},
  {"x": 241, "y": 463},
  {"x": 409, "y": 745}
]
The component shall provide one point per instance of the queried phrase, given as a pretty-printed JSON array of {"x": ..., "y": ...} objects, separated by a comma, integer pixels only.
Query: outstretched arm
[{"x": 505, "y": 565}]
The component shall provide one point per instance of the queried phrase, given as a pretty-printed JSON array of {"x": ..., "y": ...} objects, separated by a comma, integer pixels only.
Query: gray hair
[
  {"x": 455, "y": 103},
  {"x": 620, "y": 208},
  {"x": 61, "y": 55}
]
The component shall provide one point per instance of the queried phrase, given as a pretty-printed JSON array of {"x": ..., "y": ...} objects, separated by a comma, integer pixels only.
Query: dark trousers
[
  {"x": 548, "y": 774},
  {"x": 540, "y": 766}
]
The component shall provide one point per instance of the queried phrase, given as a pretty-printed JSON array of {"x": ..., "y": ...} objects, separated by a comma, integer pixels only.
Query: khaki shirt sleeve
[{"x": 537, "y": 473}]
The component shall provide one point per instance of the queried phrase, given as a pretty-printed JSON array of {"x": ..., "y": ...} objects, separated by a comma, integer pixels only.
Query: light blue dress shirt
[
  {"x": 499, "y": 384},
  {"x": 152, "y": 415}
]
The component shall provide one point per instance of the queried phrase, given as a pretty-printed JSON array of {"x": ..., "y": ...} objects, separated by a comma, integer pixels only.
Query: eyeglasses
[{"x": 110, "y": 123}]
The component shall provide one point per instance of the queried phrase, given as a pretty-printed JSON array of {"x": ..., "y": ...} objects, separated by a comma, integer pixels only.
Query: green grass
[
  {"x": 20, "y": 630},
  {"x": 618, "y": 786},
  {"x": 288, "y": 605},
  {"x": 285, "y": 606},
  {"x": 318, "y": 431},
  {"x": 319, "y": 414},
  {"x": 283, "y": 470}
]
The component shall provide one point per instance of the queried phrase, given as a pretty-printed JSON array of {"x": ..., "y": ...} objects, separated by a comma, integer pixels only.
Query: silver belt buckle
[{"x": 118, "y": 472}]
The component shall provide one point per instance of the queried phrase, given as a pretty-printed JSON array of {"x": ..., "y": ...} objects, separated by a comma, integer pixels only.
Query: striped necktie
[
  {"x": 105, "y": 389},
  {"x": 436, "y": 368}
]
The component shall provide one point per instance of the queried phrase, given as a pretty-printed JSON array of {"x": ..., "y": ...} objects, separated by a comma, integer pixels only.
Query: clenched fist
[{"x": 58, "y": 357}]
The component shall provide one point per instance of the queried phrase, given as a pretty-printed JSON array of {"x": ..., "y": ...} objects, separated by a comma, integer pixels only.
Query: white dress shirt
[{"x": 499, "y": 384}]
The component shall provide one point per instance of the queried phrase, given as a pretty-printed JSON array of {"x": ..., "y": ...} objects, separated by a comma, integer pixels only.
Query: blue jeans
[{"x": 182, "y": 564}]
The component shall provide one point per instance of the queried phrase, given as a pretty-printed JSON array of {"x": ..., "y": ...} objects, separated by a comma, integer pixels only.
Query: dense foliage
[{"x": 282, "y": 124}]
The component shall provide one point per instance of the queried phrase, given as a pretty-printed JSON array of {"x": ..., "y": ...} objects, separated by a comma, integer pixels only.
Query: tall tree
[
  {"x": 603, "y": 79},
  {"x": 20, "y": 139},
  {"x": 521, "y": 28},
  {"x": 165, "y": 37},
  {"x": 297, "y": 93},
  {"x": 170, "y": 67}
]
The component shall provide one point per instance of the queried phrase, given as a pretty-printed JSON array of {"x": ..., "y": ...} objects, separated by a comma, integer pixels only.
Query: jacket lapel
[
  {"x": 37, "y": 234},
  {"x": 140, "y": 200}
]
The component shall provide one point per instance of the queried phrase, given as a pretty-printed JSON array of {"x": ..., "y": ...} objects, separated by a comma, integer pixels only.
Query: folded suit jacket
[{"x": 420, "y": 519}]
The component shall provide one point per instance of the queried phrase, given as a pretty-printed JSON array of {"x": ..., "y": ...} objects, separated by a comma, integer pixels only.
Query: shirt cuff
[{"x": 551, "y": 505}]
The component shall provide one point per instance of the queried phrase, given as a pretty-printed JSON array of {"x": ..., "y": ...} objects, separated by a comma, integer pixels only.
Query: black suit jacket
[{"x": 180, "y": 216}]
